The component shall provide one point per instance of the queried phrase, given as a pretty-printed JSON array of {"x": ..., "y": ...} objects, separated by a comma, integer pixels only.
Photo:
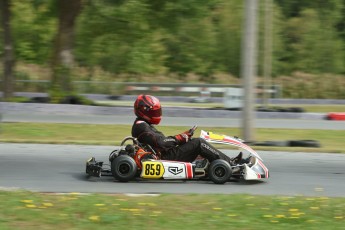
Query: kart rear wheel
[
  {"x": 124, "y": 168},
  {"x": 219, "y": 171}
]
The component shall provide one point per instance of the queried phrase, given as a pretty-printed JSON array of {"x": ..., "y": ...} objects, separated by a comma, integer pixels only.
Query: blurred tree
[
  {"x": 313, "y": 45},
  {"x": 63, "y": 59},
  {"x": 312, "y": 38},
  {"x": 340, "y": 25},
  {"x": 189, "y": 35},
  {"x": 279, "y": 65},
  {"x": 35, "y": 24},
  {"x": 153, "y": 37},
  {"x": 192, "y": 49},
  {"x": 117, "y": 37},
  {"x": 228, "y": 19},
  {"x": 8, "y": 55}
]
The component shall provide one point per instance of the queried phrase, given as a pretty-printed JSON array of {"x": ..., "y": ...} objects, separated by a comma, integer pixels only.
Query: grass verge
[
  {"x": 310, "y": 108},
  {"x": 26, "y": 210},
  {"x": 330, "y": 140}
]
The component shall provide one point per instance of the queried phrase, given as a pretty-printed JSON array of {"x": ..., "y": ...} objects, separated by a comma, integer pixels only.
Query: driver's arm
[{"x": 149, "y": 135}]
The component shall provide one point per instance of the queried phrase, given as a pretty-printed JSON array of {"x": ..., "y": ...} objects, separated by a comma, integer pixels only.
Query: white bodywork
[
  {"x": 249, "y": 174},
  {"x": 253, "y": 170},
  {"x": 223, "y": 139}
]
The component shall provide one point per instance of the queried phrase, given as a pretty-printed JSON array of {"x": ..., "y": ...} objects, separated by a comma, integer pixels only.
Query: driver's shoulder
[
  {"x": 141, "y": 126},
  {"x": 137, "y": 122}
]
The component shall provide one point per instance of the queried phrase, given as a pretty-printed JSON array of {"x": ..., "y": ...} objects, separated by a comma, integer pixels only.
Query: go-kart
[{"x": 135, "y": 160}]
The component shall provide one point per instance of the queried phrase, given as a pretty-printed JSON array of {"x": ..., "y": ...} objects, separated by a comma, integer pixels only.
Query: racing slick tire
[
  {"x": 304, "y": 143},
  {"x": 124, "y": 168},
  {"x": 219, "y": 171}
]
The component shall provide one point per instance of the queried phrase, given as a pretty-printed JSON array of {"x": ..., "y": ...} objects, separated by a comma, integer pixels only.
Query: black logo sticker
[{"x": 175, "y": 170}]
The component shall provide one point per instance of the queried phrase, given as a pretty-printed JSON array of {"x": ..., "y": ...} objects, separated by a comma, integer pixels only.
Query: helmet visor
[{"x": 154, "y": 113}]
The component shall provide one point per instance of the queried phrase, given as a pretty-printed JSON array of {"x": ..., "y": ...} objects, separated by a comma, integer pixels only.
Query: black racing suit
[{"x": 170, "y": 149}]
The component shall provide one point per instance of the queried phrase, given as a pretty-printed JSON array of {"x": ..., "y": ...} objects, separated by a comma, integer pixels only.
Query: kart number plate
[{"x": 153, "y": 170}]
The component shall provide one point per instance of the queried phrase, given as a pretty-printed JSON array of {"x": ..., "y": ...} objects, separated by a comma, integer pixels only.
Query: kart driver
[{"x": 180, "y": 147}]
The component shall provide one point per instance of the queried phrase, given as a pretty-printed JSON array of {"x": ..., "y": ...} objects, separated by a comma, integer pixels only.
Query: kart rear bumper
[{"x": 95, "y": 168}]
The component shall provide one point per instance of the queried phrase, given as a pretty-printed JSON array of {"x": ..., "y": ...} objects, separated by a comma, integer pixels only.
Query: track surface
[
  {"x": 176, "y": 121},
  {"x": 61, "y": 168}
]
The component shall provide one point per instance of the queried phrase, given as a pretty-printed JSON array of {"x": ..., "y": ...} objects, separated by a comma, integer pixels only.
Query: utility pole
[
  {"x": 249, "y": 69},
  {"x": 267, "y": 65}
]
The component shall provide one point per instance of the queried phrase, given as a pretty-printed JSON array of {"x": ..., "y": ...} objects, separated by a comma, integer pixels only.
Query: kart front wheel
[
  {"x": 219, "y": 171},
  {"x": 124, "y": 168}
]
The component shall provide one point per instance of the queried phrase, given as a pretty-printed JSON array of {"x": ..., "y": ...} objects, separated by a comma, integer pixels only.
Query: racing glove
[{"x": 183, "y": 137}]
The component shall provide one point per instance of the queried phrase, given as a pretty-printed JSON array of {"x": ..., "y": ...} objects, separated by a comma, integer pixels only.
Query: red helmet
[{"x": 148, "y": 108}]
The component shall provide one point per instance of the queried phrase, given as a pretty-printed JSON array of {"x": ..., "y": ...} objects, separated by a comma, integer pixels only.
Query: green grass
[
  {"x": 330, "y": 140},
  {"x": 318, "y": 108},
  {"x": 26, "y": 210}
]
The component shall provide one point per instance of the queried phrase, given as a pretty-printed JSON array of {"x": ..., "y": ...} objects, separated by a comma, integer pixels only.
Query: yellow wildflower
[
  {"x": 232, "y": 215},
  {"x": 74, "y": 193},
  {"x": 250, "y": 204},
  {"x": 134, "y": 210},
  {"x": 48, "y": 204},
  {"x": 293, "y": 210},
  {"x": 26, "y": 201},
  {"x": 94, "y": 218},
  {"x": 99, "y": 205},
  {"x": 157, "y": 212}
]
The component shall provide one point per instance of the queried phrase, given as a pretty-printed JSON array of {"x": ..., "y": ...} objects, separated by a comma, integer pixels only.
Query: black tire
[
  {"x": 305, "y": 143},
  {"x": 297, "y": 110},
  {"x": 272, "y": 143},
  {"x": 124, "y": 168},
  {"x": 219, "y": 171}
]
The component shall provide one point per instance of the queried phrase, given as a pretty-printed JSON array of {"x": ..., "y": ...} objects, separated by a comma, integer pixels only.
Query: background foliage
[{"x": 127, "y": 40}]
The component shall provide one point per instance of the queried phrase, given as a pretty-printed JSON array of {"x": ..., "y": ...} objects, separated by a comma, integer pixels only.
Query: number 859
[{"x": 152, "y": 169}]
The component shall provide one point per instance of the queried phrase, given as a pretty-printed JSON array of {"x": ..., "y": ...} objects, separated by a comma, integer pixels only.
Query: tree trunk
[
  {"x": 63, "y": 60},
  {"x": 8, "y": 58}
]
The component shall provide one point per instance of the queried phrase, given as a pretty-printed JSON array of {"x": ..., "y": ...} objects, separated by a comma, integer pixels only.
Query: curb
[{"x": 336, "y": 116}]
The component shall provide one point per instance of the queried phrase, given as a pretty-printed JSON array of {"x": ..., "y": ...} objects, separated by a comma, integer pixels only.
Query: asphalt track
[
  {"x": 61, "y": 168},
  {"x": 183, "y": 116},
  {"x": 174, "y": 121}
]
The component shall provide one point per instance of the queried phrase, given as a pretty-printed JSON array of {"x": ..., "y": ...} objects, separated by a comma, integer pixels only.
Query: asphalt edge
[{"x": 67, "y": 109}]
